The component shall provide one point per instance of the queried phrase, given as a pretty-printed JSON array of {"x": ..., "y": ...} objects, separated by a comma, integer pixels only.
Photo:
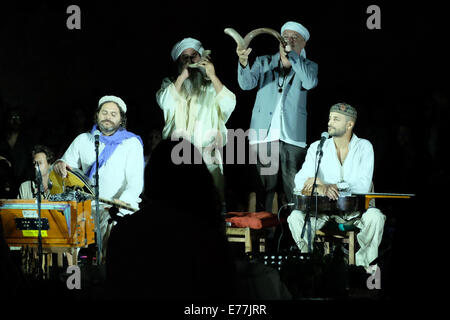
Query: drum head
[{"x": 75, "y": 180}]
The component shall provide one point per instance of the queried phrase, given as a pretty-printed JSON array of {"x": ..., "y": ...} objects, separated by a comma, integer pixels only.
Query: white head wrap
[
  {"x": 114, "y": 99},
  {"x": 184, "y": 44},
  {"x": 297, "y": 27}
]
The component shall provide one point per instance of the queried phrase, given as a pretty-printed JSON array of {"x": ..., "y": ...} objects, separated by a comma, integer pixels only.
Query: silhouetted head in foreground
[{"x": 175, "y": 247}]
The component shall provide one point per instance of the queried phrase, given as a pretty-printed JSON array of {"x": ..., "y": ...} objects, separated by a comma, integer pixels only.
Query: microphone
[
  {"x": 36, "y": 168},
  {"x": 97, "y": 134},
  {"x": 324, "y": 136},
  {"x": 38, "y": 176}
]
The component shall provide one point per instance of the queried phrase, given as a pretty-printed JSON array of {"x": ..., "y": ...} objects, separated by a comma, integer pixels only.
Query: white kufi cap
[{"x": 114, "y": 99}]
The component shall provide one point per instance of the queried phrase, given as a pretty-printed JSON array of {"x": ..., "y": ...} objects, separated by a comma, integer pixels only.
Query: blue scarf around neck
[{"x": 111, "y": 143}]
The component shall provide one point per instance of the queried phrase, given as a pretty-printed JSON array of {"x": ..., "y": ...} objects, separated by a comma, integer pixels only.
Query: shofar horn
[
  {"x": 206, "y": 54},
  {"x": 243, "y": 43}
]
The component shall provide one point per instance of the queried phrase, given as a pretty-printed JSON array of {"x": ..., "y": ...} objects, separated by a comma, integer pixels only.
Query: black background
[
  {"x": 125, "y": 49},
  {"x": 389, "y": 75}
]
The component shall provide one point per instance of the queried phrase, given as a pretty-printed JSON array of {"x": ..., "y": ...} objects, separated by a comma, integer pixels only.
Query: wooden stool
[
  {"x": 247, "y": 236},
  {"x": 71, "y": 255},
  {"x": 48, "y": 258},
  {"x": 344, "y": 237}
]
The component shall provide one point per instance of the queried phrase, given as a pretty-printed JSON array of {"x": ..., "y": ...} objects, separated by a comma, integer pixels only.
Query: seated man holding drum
[{"x": 348, "y": 163}]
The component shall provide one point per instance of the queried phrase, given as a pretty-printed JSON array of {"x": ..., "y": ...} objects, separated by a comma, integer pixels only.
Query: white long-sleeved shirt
[
  {"x": 357, "y": 169},
  {"x": 277, "y": 130},
  {"x": 121, "y": 177}
]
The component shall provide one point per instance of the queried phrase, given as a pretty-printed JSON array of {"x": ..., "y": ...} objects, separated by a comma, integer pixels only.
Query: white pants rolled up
[{"x": 371, "y": 225}]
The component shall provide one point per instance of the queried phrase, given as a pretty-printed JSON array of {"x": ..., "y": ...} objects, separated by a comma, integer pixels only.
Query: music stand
[{"x": 38, "y": 198}]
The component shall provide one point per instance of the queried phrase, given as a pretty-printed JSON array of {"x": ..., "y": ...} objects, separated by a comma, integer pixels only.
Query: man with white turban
[
  {"x": 197, "y": 105},
  {"x": 279, "y": 115}
]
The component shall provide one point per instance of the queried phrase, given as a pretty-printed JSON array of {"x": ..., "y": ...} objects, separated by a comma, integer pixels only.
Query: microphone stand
[
  {"x": 308, "y": 208},
  {"x": 39, "y": 200},
  {"x": 97, "y": 205}
]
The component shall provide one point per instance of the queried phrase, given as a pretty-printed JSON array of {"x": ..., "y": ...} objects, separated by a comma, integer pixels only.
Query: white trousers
[{"x": 371, "y": 225}]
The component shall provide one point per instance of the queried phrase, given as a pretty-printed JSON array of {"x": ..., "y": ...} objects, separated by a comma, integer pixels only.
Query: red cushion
[{"x": 253, "y": 220}]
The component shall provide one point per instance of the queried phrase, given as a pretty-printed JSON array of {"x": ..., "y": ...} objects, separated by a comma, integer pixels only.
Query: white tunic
[{"x": 202, "y": 118}]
